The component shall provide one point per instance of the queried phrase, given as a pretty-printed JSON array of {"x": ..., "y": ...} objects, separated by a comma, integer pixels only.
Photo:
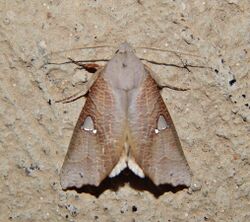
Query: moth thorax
[
  {"x": 88, "y": 125},
  {"x": 161, "y": 124}
]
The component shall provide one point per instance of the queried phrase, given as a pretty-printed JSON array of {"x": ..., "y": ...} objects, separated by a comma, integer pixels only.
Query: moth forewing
[
  {"x": 158, "y": 150},
  {"x": 97, "y": 141}
]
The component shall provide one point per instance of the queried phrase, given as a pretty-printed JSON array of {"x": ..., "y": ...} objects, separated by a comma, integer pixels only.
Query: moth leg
[
  {"x": 82, "y": 92},
  {"x": 89, "y": 67},
  {"x": 161, "y": 86},
  {"x": 173, "y": 87},
  {"x": 72, "y": 98}
]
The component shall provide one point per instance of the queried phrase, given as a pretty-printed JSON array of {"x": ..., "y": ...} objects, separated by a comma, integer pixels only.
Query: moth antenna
[
  {"x": 164, "y": 64},
  {"x": 93, "y": 60},
  {"x": 80, "y": 48},
  {"x": 183, "y": 66},
  {"x": 170, "y": 51},
  {"x": 67, "y": 100},
  {"x": 77, "y": 61},
  {"x": 72, "y": 98},
  {"x": 92, "y": 68}
]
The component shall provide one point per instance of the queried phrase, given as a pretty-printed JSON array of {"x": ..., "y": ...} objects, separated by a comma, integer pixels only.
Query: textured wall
[{"x": 212, "y": 119}]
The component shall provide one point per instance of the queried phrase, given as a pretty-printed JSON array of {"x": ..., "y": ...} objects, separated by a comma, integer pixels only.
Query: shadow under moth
[{"x": 124, "y": 123}]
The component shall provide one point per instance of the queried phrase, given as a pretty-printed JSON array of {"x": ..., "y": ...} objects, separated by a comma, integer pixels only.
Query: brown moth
[{"x": 124, "y": 123}]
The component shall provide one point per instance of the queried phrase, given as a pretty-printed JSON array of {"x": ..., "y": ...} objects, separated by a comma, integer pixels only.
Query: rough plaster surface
[{"x": 212, "y": 119}]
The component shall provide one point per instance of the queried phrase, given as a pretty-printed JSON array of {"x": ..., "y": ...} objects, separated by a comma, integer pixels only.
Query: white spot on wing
[
  {"x": 126, "y": 161},
  {"x": 161, "y": 124},
  {"x": 132, "y": 165},
  {"x": 121, "y": 165},
  {"x": 88, "y": 125},
  {"x": 157, "y": 131}
]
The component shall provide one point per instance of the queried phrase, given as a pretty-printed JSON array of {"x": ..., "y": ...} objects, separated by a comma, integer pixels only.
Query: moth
[{"x": 124, "y": 123}]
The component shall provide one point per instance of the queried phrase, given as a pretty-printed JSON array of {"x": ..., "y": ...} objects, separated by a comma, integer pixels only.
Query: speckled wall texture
[{"x": 212, "y": 118}]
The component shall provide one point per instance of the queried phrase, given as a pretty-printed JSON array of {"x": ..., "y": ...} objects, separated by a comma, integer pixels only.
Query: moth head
[{"x": 125, "y": 48}]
